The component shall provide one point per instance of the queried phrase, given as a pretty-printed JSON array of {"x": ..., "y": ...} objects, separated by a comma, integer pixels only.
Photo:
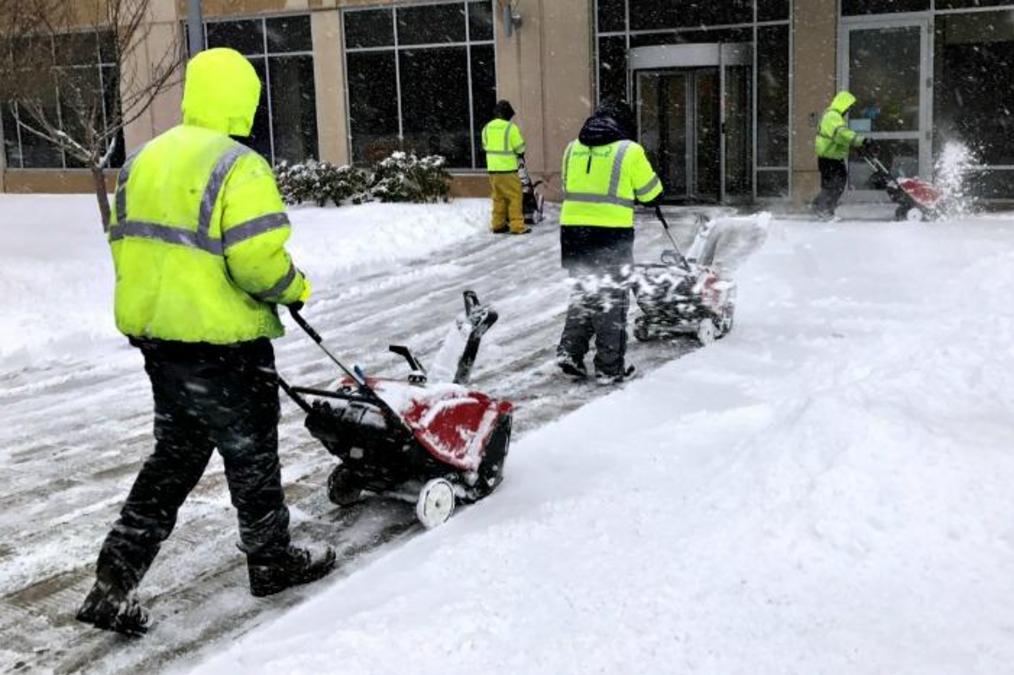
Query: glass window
[
  {"x": 483, "y": 94},
  {"x": 612, "y": 68},
  {"x": 480, "y": 20},
  {"x": 76, "y": 49},
  {"x": 436, "y": 125},
  {"x": 772, "y": 184},
  {"x": 772, "y": 96},
  {"x": 612, "y": 15},
  {"x": 289, "y": 34},
  {"x": 260, "y": 135},
  {"x": 12, "y": 149},
  {"x": 111, "y": 85},
  {"x": 369, "y": 28},
  {"x": 293, "y": 108},
  {"x": 854, "y": 7},
  {"x": 652, "y": 14},
  {"x": 37, "y": 153},
  {"x": 992, "y": 184},
  {"x": 373, "y": 104},
  {"x": 967, "y": 4},
  {"x": 772, "y": 10},
  {"x": 431, "y": 24},
  {"x": 884, "y": 75},
  {"x": 246, "y": 37},
  {"x": 80, "y": 98},
  {"x": 685, "y": 37},
  {"x": 974, "y": 93}
]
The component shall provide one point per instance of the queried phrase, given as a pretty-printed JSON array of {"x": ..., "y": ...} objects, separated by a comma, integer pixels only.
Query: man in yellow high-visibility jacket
[
  {"x": 832, "y": 145},
  {"x": 605, "y": 174},
  {"x": 197, "y": 237},
  {"x": 504, "y": 147}
]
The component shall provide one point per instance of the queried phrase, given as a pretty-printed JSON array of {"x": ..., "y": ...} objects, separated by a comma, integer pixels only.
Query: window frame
[
  {"x": 396, "y": 47},
  {"x": 266, "y": 55}
]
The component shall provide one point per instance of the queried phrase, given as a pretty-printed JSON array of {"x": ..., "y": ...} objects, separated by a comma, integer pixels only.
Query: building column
[
  {"x": 329, "y": 85},
  {"x": 815, "y": 63},
  {"x": 164, "y": 112},
  {"x": 545, "y": 70}
]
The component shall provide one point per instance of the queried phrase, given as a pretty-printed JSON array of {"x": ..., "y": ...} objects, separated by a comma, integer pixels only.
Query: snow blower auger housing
[
  {"x": 437, "y": 443},
  {"x": 679, "y": 296}
]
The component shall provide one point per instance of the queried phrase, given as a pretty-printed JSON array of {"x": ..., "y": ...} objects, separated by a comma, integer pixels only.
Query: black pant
[
  {"x": 834, "y": 176},
  {"x": 598, "y": 308},
  {"x": 206, "y": 397}
]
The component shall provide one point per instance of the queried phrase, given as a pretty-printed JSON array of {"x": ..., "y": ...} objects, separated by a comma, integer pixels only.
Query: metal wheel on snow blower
[
  {"x": 436, "y": 503},
  {"x": 642, "y": 330},
  {"x": 707, "y": 332}
]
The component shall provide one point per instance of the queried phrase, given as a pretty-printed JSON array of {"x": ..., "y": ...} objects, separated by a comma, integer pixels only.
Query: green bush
[{"x": 399, "y": 178}]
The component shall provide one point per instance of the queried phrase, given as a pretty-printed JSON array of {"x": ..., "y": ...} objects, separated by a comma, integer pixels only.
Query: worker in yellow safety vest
[
  {"x": 833, "y": 143},
  {"x": 505, "y": 147},
  {"x": 605, "y": 174},
  {"x": 198, "y": 242}
]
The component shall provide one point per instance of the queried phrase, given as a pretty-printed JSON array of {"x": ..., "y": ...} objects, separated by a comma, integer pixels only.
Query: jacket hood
[
  {"x": 613, "y": 121},
  {"x": 221, "y": 92},
  {"x": 842, "y": 101},
  {"x": 503, "y": 110}
]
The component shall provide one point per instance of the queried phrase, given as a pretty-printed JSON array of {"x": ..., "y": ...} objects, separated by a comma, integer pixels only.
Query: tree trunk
[{"x": 99, "y": 183}]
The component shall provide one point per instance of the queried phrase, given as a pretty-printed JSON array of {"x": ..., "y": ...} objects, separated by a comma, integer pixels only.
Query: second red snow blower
[{"x": 440, "y": 441}]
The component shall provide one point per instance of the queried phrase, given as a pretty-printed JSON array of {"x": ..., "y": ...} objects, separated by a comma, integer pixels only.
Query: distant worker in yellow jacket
[
  {"x": 198, "y": 241},
  {"x": 505, "y": 147},
  {"x": 832, "y": 145}
]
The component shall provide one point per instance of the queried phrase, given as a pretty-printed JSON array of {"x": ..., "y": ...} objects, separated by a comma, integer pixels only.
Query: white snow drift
[{"x": 828, "y": 489}]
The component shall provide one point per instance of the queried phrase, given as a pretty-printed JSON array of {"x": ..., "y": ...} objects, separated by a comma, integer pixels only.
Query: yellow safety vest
[
  {"x": 603, "y": 183},
  {"x": 502, "y": 141}
]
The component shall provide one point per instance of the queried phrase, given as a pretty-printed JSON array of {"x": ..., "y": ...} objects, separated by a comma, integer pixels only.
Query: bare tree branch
[{"x": 51, "y": 53}]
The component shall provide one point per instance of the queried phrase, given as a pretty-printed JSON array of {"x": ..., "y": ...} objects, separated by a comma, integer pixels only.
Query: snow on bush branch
[{"x": 399, "y": 178}]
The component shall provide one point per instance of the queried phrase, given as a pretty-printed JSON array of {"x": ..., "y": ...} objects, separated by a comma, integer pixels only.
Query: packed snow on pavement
[{"x": 827, "y": 489}]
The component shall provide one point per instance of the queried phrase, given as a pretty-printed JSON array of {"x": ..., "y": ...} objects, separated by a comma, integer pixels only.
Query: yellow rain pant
[{"x": 506, "y": 188}]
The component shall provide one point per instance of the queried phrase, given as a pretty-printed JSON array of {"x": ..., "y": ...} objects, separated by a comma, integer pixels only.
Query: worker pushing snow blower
[
  {"x": 916, "y": 199},
  {"x": 695, "y": 294},
  {"x": 436, "y": 440}
]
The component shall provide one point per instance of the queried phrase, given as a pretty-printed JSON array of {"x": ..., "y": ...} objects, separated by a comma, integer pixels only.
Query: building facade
[{"x": 727, "y": 94}]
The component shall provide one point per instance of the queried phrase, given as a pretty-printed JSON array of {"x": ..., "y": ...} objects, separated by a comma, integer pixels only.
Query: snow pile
[
  {"x": 828, "y": 489},
  {"x": 58, "y": 288}
]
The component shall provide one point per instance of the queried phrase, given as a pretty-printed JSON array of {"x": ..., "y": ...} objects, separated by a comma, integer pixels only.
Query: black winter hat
[
  {"x": 503, "y": 110},
  {"x": 620, "y": 112}
]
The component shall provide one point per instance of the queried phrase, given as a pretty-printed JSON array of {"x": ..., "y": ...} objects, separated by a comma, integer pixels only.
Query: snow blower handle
[
  {"x": 315, "y": 336},
  {"x": 681, "y": 259}
]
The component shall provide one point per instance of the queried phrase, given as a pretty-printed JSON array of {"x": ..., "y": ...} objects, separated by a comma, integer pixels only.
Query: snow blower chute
[{"x": 441, "y": 442}]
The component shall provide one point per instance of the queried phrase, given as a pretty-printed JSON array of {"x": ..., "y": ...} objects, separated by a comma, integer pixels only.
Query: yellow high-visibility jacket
[
  {"x": 198, "y": 229},
  {"x": 502, "y": 141},
  {"x": 834, "y": 138},
  {"x": 601, "y": 184}
]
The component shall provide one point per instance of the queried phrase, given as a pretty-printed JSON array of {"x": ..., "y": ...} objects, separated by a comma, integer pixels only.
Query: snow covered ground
[{"x": 825, "y": 490}]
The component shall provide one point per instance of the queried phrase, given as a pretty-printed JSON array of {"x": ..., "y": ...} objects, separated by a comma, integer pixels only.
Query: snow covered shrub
[
  {"x": 321, "y": 182},
  {"x": 407, "y": 178}
]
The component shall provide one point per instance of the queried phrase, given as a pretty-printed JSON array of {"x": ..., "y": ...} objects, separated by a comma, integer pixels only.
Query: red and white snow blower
[
  {"x": 440, "y": 442},
  {"x": 916, "y": 199},
  {"x": 695, "y": 294}
]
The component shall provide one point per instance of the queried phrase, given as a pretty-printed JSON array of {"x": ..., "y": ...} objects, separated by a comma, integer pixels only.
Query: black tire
[
  {"x": 494, "y": 457},
  {"x": 901, "y": 213},
  {"x": 642, "y": 332},
  {"x": 343, "y": 487}
]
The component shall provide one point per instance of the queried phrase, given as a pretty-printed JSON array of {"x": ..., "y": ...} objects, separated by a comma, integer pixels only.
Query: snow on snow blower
[
  {"x": 916, "y": 199},
  {"x": 440, "y": 442},
  {"x": 695, "y": 294}
]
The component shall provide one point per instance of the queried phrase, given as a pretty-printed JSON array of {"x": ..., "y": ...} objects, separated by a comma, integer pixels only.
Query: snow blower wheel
[
  {"x": 707, "y": 331},
  {"x": 436, "y": 503},
  {"x": 342, "y": 488},
  {"x": 642, "y": 330}
]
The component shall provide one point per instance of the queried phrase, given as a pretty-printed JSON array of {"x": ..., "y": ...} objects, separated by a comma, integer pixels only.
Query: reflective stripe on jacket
[
  {"x": 601, "y": 184},
  {"x": 198, "y": 228},
  {"x": 502, "y": 141},
  {"x": 834, "y": 138}
]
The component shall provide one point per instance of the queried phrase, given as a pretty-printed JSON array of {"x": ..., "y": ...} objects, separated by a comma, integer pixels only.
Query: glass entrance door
[
  {"x": 885, "y": 64},
  {"x": 695, "y": 119}
]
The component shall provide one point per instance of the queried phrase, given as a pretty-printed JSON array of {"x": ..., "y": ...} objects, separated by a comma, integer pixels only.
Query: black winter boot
[
  {"x": 110, "y": 608},
  {"x": 296, "y": 566}
]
